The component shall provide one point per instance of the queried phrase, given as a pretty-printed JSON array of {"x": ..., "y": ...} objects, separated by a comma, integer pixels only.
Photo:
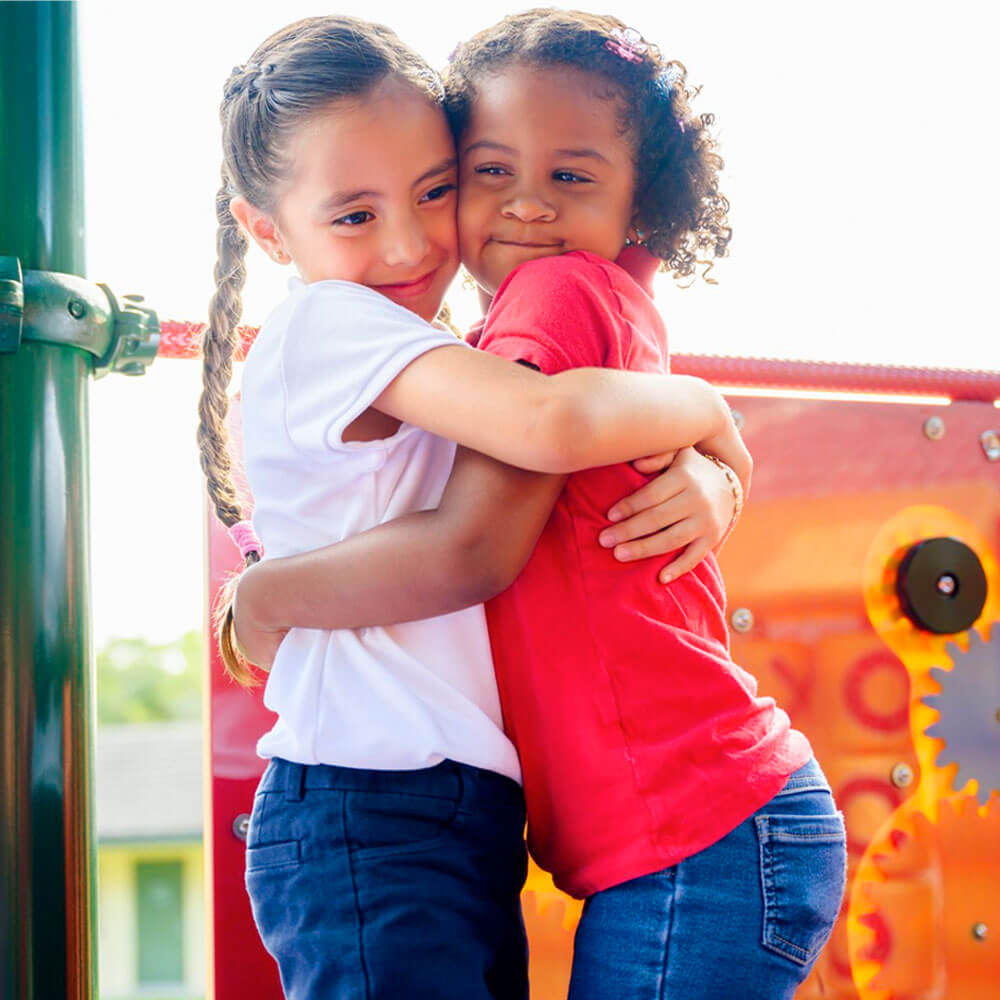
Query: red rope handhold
[{"x": 179, "y": 339}]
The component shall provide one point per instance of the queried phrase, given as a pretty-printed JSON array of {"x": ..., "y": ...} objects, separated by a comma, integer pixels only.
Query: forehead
[
  {"x": 562, "y": 103},
  {"x": 391, "y": 135}
]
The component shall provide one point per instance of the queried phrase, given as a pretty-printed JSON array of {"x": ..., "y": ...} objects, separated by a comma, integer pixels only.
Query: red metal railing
[{"x": 180, "y": 339}]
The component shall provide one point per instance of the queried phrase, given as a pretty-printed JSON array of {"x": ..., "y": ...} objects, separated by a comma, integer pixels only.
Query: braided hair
[
  {"x": 683, "y": 215},
  {"x": 293, "y": 76}
]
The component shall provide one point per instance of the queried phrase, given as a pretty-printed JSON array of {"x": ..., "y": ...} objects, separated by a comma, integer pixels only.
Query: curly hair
[{"x": 683, "y": 215}]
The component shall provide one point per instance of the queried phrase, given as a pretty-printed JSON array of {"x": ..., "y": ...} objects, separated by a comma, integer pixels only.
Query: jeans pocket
[
  {"x": 380, "y": 823},
  {"x": 273, "y": 855},
  {"x": 803, "y": 864}
]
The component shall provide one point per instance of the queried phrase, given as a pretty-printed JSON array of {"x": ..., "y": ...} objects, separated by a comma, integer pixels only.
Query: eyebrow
[
  {"x": 340, "y": 198},
  {"x": 591, "y": 154}
]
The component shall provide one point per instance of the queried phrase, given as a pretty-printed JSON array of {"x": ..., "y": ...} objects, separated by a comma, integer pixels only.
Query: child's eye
[
  {"x": 492, "y": 170},
  {"x": 569, "y": 177},
  {"x": 354, "y": 218},
  {"x": 436, "y": 193}
]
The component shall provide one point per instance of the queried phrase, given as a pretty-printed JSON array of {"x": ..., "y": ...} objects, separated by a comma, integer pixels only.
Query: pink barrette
[
  {"x": 246, "y": 539},
  {"x": 628, "y": 44}
]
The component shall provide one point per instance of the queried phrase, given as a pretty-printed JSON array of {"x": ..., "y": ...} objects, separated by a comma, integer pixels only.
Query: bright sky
[{"x": 862, "y": 157}]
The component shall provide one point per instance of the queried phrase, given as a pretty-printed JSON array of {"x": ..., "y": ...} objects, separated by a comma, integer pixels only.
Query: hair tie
[
  {"x": 246, "y": 539},
  {"x": 627, "y": 44}
]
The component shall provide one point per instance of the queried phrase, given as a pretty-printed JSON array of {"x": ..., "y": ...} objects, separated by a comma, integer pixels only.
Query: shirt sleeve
[
  {"x": 555, "y": 313},
  {"x": 344, "y": 344}
]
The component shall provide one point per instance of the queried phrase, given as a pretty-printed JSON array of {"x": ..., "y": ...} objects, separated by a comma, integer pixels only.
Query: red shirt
[{"x": 641, "y": 741}]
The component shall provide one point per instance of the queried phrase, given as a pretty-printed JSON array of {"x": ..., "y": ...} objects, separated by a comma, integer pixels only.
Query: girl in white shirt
[{"x": 385, "y": 852}]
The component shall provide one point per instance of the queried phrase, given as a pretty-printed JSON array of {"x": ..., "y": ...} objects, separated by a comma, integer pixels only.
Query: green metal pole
[{"x": 46, "y": 660}]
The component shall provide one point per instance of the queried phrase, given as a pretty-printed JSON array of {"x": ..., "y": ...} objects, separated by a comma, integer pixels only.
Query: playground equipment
[
  {"x": 863, "y": 581},
  {"x": 863, "y": 589},
  {"x": 56, "y": 331}
]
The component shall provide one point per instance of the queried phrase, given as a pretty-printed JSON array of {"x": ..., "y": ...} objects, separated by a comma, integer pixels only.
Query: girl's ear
[{"x": 260, "y": 227}]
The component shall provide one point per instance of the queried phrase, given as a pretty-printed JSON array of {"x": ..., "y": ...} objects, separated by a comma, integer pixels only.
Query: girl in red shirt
[{"x": 659, "y": 785}]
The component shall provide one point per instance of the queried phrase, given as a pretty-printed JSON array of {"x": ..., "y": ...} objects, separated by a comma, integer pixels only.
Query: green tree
[{"x": 140, "y": 681}]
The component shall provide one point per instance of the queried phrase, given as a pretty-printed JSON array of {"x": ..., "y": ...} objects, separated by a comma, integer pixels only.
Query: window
[{"x": 161, "y": 923}]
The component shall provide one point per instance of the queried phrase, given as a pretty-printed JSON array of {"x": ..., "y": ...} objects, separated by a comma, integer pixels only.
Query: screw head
[
  {"x": 946, "y": 584},
  {"x": 77, "y": 309},
  {"x": 901, "y": 775},
  {"x": 739, "y": 419},
  {"x": 990, "y": 440},
  {"x": 980, "y": 931},
  {"x": 742, "y": 619},
  {"x": 240, "y": 826},
  {"x": 934, "y": 428}
]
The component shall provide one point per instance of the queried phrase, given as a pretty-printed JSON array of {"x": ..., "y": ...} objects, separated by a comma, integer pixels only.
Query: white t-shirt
[{"x": 401, "y": 697}]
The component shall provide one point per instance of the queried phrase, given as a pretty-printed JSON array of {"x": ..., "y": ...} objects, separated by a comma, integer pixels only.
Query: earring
[{"x": 280, "y": 256}]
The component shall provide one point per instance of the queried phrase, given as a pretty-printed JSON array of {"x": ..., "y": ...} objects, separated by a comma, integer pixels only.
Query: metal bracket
[
  {"x": 50, "y": 308},
  {"x": 11, "y": 304}
]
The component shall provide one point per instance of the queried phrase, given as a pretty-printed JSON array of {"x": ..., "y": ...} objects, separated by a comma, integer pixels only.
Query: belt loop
[{"x": 295, "y": 782}]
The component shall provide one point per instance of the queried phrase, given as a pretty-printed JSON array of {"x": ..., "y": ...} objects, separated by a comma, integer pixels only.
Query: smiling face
[
  {"x": 544, "y": 169},
  {"x": 371, "y": 197}
]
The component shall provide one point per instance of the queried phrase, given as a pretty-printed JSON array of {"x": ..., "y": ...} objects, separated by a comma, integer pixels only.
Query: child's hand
[
  {"x": 689, "y": 507},
  {"x": 255, "y": 640}
]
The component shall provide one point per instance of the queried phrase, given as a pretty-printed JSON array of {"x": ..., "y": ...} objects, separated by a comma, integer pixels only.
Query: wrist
[{"x": 736, "y": 488}]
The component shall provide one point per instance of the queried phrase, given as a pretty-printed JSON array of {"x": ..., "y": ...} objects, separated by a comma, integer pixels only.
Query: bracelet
[{"x": 737, "y": 488}]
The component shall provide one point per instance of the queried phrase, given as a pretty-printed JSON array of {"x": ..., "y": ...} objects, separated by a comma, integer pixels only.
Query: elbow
[{"x": 478, "y": 568}]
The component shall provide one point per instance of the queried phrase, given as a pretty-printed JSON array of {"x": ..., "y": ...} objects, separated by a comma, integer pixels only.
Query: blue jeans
[
  {"x": 744, "y": 919},
  {"x": 370, "y": 885}
]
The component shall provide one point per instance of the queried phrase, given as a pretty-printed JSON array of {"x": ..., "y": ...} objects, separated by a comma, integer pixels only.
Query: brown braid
[
  {"x": 218, "y": 346},
  {"x": 294, "y": 75}
]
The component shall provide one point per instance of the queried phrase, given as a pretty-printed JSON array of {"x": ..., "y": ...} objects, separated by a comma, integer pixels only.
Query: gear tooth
[
  {"x": 930, "y": 730},
  {"x": 975, "y": 639},
  {"x": 983, "y": 794},
  {"x": 938, "y": 675},
  {"x": 898, "y": 838},
  {"x": 995, "y": 633},
  {"x": 953, "y": 650},
  {"x": 943, "y": 760}
]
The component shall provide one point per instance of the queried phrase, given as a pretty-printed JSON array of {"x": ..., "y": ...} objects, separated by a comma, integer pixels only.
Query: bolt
[
  {"x": 739, "y": 420},
  {"x": 947, "y": 585},
  {"x": 77, "y": 309},
  {"x": 901, "y": 775},
  {"x": 934, "y": 428},
  {"x": 241, "y": 824},
  {"x": 980, "y": 931},
  {"x": 742, "y": 619},
  {"x": 132, "y": 297},
  {"x": 990, "y": 440}
]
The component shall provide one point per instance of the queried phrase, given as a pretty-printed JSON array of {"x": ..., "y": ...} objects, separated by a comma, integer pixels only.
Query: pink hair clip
[
  {"x": 246, "y": 539},
  {"x": 628, "y": 44}
]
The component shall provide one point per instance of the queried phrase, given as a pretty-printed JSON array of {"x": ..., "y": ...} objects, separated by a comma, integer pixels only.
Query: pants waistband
[{"x": 448, "y": 779}]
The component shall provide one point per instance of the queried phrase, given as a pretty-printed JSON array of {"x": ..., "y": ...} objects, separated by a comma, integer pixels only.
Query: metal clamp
[
  {"x": 64, "y": 309},
  {"x": 11, "y": 304}
]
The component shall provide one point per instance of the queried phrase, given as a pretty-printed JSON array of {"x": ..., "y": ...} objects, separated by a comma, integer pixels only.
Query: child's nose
[
  {"x": 528, "y": 207},
  {"x": 407, "y": 245}
]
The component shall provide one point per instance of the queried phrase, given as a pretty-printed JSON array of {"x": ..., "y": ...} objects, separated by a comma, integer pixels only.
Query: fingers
[
  {"x": 668, "y": 540},
  {"x": 686, "y": 561},
  {"x": 645, "y": 522},
  {"x": 659, "y": 490},
  {"x": 654, "y": 463}
]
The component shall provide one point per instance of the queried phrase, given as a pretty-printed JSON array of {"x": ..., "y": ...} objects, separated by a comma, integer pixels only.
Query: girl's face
[
  {"x": 372, "y": 198},
  {"x": 544, "y": 169}
]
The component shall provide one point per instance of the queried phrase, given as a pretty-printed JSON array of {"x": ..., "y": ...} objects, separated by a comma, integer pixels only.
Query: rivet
[
  {"x": 990, "y": 440},
  {"x": 901, "y": 775},
  {"x": 934, "y": 428},
  {"x": 946, "y": 584},
  {"x": 742, "y": 619},
  {"x": 77, "y": 309},
  {"x": 241, "y": 824},
  {"x": 980, "y": 931},
  {"x": 739, "y": 419}
]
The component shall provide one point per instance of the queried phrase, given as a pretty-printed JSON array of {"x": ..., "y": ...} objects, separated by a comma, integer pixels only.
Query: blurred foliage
[{"x": 140, "y": 681}]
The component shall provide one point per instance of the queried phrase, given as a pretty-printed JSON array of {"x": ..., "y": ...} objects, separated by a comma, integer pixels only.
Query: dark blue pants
[{"x": 388, "y": 884}]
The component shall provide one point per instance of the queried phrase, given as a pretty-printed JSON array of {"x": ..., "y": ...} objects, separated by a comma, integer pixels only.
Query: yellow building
[{"x": 150, "y": 881}]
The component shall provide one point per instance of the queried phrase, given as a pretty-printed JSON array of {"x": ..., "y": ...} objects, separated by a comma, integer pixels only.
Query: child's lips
[
  {"x": 529, "y": 244},
  {"x": 408, "y": 289}
]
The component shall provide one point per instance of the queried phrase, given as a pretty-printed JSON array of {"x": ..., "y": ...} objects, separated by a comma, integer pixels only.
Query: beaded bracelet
[{"x": 737, "y": 488}]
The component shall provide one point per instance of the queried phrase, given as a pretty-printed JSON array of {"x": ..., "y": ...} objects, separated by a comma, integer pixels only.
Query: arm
[
  {"x": 562, "y": 423},
  {"x": 416, "y": 566}
]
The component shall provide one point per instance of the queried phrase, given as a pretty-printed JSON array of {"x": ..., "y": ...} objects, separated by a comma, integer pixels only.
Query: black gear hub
[{"x": 941, "y": 585}]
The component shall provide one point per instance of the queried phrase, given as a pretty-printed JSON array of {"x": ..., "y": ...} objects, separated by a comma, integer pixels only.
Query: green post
[{"x": 56, "y": 330}]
